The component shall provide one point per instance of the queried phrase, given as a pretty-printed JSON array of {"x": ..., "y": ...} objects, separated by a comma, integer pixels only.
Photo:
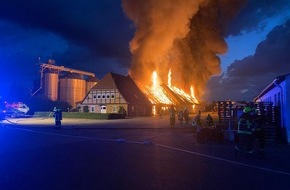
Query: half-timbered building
[{"x": 115, "y": 92}]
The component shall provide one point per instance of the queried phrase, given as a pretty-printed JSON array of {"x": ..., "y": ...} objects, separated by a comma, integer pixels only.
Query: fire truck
[{"x": 15, "y": 109}]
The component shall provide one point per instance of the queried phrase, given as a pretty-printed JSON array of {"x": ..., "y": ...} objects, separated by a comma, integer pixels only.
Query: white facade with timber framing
[
  {"x": 104, "y": 101},
  {"x": 115, "y": 91},
  {"x": 278, "y": 92}
]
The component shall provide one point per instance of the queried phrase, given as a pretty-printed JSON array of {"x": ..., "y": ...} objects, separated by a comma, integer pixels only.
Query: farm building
[{"x": 115, "y": 92}]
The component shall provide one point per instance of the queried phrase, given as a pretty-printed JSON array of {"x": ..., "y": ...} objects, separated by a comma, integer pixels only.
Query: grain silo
[
  {"x": 51, "y": 85},
  {"x": 64, "y": 84},
  {"x": 90, "y": 82},
  {"x": 72, "y": 88}
]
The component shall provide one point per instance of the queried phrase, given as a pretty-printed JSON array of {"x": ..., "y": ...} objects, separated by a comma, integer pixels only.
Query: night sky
[{"x": 94, "y": 36}]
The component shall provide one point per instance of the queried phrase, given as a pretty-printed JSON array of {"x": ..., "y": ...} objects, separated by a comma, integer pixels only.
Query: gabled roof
[
  {"x": 273, "y": 84},
  {"x": 106, "y": 83},
  {"x": 126, "y": 86}
]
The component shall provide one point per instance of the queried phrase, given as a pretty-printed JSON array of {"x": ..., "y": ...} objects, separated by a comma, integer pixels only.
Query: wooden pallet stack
[
  {"x": 229, "y": 112},
  {"x": 267, "y": 114},
  {"x": 226, "y": 115}
]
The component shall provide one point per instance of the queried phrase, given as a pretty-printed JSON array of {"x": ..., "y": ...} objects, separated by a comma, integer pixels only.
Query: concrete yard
[{"x": 135, "y": 153}]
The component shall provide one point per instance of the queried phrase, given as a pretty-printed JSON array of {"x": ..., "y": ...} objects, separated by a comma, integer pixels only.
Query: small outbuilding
[
  {"x": 113, "y": 94},
  {"x": 278, "y": 93}
]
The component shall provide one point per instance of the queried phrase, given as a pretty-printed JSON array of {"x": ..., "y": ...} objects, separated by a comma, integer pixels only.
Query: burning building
[
  {"x": 163, "y": 95},
  {"x": 185, "y": 36},
  {"x": 115, "y": 91},
  {"x": 182, "y": 36},
  {"x": 112, "y": 92}
]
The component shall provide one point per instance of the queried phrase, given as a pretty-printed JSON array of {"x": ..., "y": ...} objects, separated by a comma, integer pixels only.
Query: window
[
  {"x": 94, "y": 97},
  {"x": 112, "y": 95},
  {"x": 99, "y": 96},
  {"x": 103, "y": 96},
  {"x": 93, "y": 109},
  {"x": 108, "y": 95}
]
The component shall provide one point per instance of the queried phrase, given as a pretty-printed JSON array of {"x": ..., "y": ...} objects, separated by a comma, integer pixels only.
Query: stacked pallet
[
  {"x": 268, "y": 120},
  {"x": 268, "y": 115},
  {"x": 226, "y": 114}
]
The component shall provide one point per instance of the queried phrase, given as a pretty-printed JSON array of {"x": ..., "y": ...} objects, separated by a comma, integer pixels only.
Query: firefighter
[
  {"x": 57, "y": 117},
  {"x": 196, "y": 124},
  {"x": 209, "y": 121},
  {"x": 258, "y": 130},
  {"x": 186, "y": 115},
  {"x": 246, "y": 127},
  {"x": 172, "y": 116},
  {"x": 180, "y": 116},
  {"x": 197, "y": 119}
]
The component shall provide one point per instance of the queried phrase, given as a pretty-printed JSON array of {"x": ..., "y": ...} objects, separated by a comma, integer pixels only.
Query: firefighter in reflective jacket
[
  {"x": 246, "y": 127},
  {"x": 57, "y": 117}
]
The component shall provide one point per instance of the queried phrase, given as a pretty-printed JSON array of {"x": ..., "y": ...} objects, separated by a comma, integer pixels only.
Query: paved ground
[{"x": 138, "y": 153}]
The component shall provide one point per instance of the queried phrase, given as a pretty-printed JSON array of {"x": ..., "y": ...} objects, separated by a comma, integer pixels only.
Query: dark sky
[
  {"x": 82, "y": 34},
  {"x": 94, "y": 35},
  {"x": 246, "y": 78}
]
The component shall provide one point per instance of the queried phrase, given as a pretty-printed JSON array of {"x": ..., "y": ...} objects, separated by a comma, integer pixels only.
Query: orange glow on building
[{"x": 159, "y": 93}]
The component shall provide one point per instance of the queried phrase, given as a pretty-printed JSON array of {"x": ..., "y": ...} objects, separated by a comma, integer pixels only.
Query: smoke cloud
[{"x": 184, "y": 35}]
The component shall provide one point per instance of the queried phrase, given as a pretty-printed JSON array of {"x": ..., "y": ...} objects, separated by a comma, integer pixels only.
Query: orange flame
[
  {"x": 193, "y": 95},
  {"x": 158, "y": 94},
  {"x": 155, "y": 79},
  {"x": 169, "y": 78},
  {"x": 190, "y": 98}
]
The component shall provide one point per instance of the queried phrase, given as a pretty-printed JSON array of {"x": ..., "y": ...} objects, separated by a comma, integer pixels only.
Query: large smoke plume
[{"x": 184, "y": 35}]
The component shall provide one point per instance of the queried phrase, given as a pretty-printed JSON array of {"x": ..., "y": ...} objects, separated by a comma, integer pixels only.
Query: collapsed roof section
[{"x": 148, "y": 94}]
